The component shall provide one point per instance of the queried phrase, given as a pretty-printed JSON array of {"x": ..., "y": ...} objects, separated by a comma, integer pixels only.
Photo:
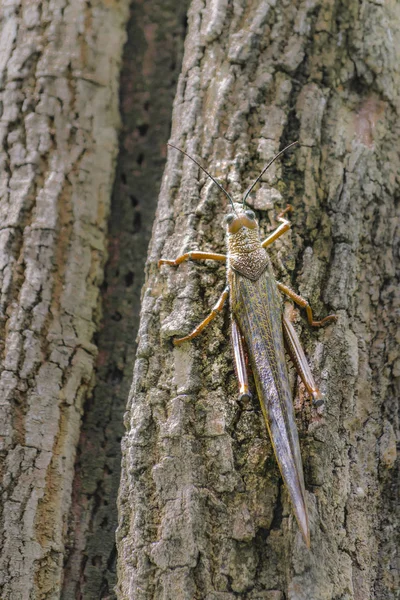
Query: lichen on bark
[{"x": 202, "y": 511}]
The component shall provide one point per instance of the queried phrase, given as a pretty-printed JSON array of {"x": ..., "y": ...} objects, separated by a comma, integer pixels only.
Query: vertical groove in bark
[
  {"x": 151, "y": 66},
  {"x": 59, "y": 70},
  {"x": 202, "y": 513}
]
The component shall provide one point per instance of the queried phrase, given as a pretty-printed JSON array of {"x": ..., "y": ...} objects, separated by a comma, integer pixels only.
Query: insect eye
[
  {"x": 250, "y": 214},
  {"x": 229, "y": 218}
]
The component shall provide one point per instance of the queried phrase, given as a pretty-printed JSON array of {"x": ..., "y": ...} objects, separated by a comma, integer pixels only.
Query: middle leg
[
  {"x": 304, "y": 304},
  {"x": 217, "y": 308}
]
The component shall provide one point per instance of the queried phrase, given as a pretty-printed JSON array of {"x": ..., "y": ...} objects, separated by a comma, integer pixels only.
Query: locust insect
[{"x": 260, "y": 329}]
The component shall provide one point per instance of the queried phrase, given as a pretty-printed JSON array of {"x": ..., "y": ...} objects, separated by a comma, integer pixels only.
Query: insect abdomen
[{"x": 257, "y": 310}]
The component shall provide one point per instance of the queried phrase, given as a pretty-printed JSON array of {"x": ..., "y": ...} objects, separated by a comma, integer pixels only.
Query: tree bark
[
  {"x": 203, "y": 513},
  {"x": 151, "y": 66},
  {"x": 59, "y": 71}
]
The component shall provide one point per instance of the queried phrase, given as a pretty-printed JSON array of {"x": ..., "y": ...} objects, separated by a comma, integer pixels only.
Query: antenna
[
  {"x": 265, "y": 168},
  {"x": 206, "y": 172}
]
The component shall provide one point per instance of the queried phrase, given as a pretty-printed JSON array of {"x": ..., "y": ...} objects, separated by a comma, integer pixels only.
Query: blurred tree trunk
[
  {"x": 151, "y": 66},
  {"x": 203, "y": 513},
  {"x": 59, "y": 72}
]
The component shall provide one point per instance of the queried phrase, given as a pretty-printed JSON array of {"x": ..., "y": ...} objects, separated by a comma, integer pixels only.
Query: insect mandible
[{"x": 260, "y": 329}]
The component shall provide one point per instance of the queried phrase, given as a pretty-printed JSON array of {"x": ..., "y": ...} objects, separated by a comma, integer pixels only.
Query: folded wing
[{"x": 257, "y": 310}]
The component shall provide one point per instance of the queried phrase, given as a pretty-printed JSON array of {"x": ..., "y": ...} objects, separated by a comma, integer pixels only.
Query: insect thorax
[{"x": 245, "y": 253}]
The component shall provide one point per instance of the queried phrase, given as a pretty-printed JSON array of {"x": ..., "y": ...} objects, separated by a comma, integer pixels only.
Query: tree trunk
[
  {"x": 203, "y": 512},
  {"x": 156, "y": 30},
  {"x": 59, "y": 70}
]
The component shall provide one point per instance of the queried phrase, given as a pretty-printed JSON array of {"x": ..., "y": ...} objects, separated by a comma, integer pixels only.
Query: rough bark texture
[
  {"x": 59, "y": 72},
  {"x": 202, "y": 511},
  {"x": 151, "y": 65}
]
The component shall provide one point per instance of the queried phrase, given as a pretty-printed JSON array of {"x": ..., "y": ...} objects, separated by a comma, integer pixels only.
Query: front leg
[
  {"x": 191, "y": 256},
  {"x": 304, "y": 304},
  {"x": 285, "y": 226}
]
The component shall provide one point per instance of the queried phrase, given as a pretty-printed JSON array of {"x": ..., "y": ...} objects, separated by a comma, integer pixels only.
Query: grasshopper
[{"x": 260, "y": 329}]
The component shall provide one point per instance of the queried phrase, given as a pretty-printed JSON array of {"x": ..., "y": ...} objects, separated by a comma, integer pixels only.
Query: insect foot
[
  {"x": 165, "y": 261},
  {"x": 318, "y": 398}
]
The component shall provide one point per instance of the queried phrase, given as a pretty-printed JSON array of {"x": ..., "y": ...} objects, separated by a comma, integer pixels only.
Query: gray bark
[
  {"x": 59, "y": 72},
  {"x": 203, "y": 513},
  {"x": 147, "y": 89}
]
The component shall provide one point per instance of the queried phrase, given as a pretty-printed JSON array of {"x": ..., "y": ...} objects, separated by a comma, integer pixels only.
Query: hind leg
[
  {"x": 240, "y": 362},
  {"x": 296, "y": 353}
]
